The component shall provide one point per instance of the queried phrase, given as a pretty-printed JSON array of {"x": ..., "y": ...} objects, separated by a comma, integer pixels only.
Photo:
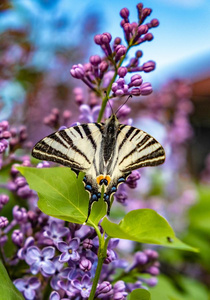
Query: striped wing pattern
[
  {"x": 106, "y": 153},
  {"x": 73, "y": 147},
  {"x": 138, "y": 149}
]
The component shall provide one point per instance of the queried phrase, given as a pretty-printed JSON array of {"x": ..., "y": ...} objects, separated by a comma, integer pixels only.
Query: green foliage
[
  {"x": 8, "y": 290},
  {"x": 145, "y": 226},
  {"x": 188, "y": 289},
  {"x": 62, "y": 195},
  {"x": 139, "y": 294}
]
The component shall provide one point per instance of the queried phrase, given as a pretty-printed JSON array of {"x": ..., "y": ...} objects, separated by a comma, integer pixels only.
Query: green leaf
[
  {"x": 189, "y": 289},
  {"x": 140, "y": 294},
  {"x": 62, "y": 195},
  {"x": 145, "y": 226},
  {"x": 8, "y": 290}
]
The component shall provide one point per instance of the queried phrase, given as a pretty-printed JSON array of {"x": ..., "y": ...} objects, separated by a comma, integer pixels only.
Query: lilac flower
[
  {"x": 69, "y": 251},
  {"x": 4, "y": 199},
  {"x": 55, "y": 232},
  {"x": 17, "y": 237},
  {"x": 28, "y": 287},
  {"x": 40, "y": 260},
  {"x": 84, "y": 286},
  {"x": 104, "y": 290},
  {"x": 119, "y": 290},
  {"x": 22, "y": 251},
  {"x": 85, "y": 264},
  {"x": 58, "y": 273},
  {"x": 3, "y": 222},
  {"x": 19, "y": 214}
]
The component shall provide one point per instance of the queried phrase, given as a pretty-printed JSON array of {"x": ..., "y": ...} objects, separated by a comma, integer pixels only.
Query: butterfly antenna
[
  {"x": 109, "y": 102},
  {"x": 130, "y": 96}
]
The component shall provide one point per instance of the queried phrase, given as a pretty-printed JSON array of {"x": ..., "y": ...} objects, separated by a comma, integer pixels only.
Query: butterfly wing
[
  {"x": 137, "y": 149},
  {"x": 73, "y": 147}
]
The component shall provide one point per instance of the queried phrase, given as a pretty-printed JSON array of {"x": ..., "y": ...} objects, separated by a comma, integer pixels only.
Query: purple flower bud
[
  {"x": 97, "y": 39},
  {"x": 148, "y": 37},
  {"x": 120, "y": 51},
  {"x": 4, "y": 125},
  {"x": 143, "y": 29},
  {"x": 77, "y": 71},
  {"x": 141, "y": 258},
  {"x": 17, "y": 237},
  {"x": 149, "y": 66},
  {"x": 20, "y": 181},
  {"x": 4, "y": 199},
  {"x": 136, "y": 80},
  {"x": 3, "y": 222},
  {"x": 152, "y": 254},
  {"x": 146, "y": 88},
  {"x": 136, "y": 92},
  {"x": 85, "y": 264},
  {"x": 154, "y": 22},
  {"x": 124, "y": 13},
  {"x": 6, "y": 135},
  {"x": 152, "y": 281},
  {"x": 122, "y": 71},
  {"x": 95, "y": 60},
  {"x": 153, "y": 271},
  {"x": 103, "y": 290},
  {"x": 106, "y": 38},
  {"x": 24, "y": 191},
  {"x": 119, "y": 286},
  {"x": 127, "y": 30},
  {"x": 19, "y": 214},
  {"x": 103, "y": 66},
  {"x": 87, "y": 244},
  {"x": 132, "y": 179}
]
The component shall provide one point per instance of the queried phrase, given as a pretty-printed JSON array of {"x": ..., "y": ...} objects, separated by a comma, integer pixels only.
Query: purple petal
[
  {"x": 76, "y": 283},
  {"x": 54, "y": 296},
  {"x": 29, "y": 294},
  {"x": 85, "y": 293},
  {"x": 63, "y": 231},
  {"x": 85, "y": 280},
  {"x": 63, "y": 247},
  {"x": 35, "y": 267},
  {"x": 33, "y": 254},
  {"x": 64, "y": 257},
  {"x": 53, "y": 227},
  {"x": 34, "y": 283},
  {"x": 48, "y": 267},
  {"x": 20, "y": 284},
  {"x": 48, "y": 252},
  {"x": 74, "y": 244},
  {"x": 75, "y": 256}
]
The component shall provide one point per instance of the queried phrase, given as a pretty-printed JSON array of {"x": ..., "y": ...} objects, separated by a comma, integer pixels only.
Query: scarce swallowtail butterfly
[{"x": 105, "y": 152}]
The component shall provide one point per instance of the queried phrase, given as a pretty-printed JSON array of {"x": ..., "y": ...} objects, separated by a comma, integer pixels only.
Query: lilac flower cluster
[
  {"x": 55, "y": 118},
  {"x": 65, "y": 258},
  {"x": 101, "y": 72},
  {"x": 61, "y": 257}
]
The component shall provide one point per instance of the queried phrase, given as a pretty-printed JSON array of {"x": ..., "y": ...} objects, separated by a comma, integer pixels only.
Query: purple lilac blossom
[
  {"x": 28, "y": 287},
  {"x": 69, "y": 251},
  {"x": 40, "y": 260}
]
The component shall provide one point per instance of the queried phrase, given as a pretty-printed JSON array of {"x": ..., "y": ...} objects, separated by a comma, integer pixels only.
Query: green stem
[
  {"x": 105, "y": 99},
  {"x": 103, "y": 244}
]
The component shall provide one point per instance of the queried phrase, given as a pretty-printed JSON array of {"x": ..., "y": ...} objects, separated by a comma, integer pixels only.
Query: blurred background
[{"x": 41, "y": 40}]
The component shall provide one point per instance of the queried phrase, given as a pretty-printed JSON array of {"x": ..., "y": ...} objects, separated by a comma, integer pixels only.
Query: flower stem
[{"x": 101, "y": 256}]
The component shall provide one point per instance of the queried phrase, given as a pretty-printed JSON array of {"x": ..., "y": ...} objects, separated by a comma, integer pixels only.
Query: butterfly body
[{"x": 105, "y": 152}]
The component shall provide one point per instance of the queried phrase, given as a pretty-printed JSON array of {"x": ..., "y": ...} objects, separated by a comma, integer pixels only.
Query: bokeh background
[{"x": 41, "y": 40}]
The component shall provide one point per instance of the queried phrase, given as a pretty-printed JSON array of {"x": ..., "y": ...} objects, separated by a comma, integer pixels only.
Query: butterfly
[{"x": 106, "y": 152}]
